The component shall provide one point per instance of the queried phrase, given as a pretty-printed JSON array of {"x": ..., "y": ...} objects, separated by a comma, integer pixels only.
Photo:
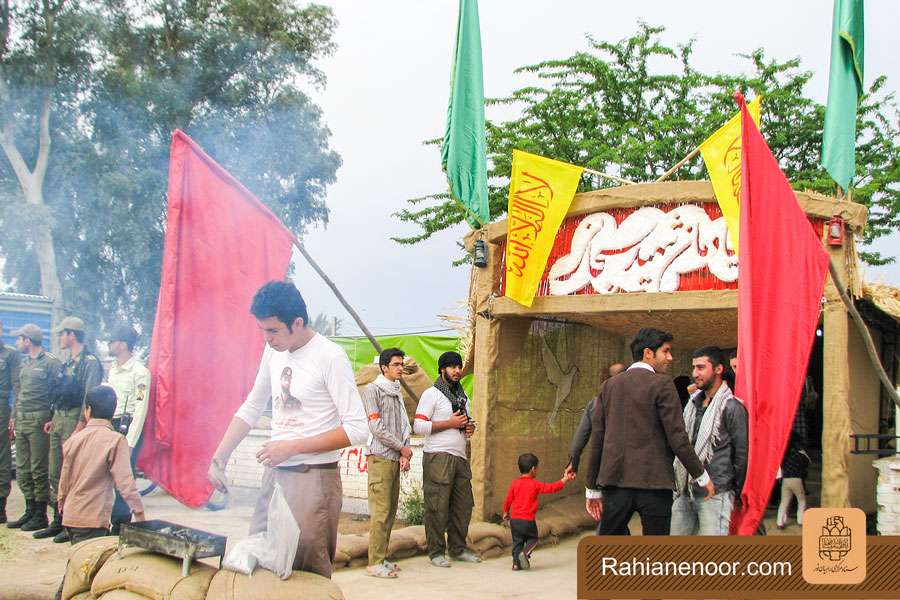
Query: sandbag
[
  {"x": 341, "y": 559},
  {"x": 121, "y": 595},
  {"x": 416, "y": 532},
  {"x": 353, "y": 546},
  {"x": 407, "y": 553},
  {"x": 481, "y": 530},
  {"x": 401, "y": 542},
  {"x": 154, "y": 576},
  {"x": 85, "y": 559},
  {"x": 83, "y": 596},
  {"x": 485, "y": 544},
  {"x": 560, "y": 525},
  {"x": 494, "y": 552},
  {"x": 265, "y": 585}
]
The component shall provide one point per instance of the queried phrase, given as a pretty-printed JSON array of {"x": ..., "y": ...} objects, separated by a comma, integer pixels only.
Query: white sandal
[{"x": 380, "y": 571}]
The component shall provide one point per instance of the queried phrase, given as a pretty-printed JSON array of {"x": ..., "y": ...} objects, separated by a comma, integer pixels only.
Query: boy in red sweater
[{"x": 521, "y": 506}]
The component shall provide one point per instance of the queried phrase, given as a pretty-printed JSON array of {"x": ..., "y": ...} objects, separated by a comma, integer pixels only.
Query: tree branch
[{"x": 40, "y": 165}]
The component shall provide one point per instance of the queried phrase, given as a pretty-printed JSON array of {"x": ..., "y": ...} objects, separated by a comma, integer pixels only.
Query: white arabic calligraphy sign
[{"x": 647, "y": 252}]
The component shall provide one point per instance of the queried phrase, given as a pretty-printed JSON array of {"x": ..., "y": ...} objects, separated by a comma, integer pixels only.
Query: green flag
[
  {"x": 463, "y": 152},
  {"x": 845, "y": 86}
]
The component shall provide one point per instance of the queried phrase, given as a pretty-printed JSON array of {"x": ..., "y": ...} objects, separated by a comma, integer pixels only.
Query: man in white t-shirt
[
  {"x": 324, "y": 415},
  {"x": 442, "y": 416}
]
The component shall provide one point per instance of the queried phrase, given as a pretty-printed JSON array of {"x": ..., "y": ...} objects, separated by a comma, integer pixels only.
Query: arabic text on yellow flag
[
  {"x": 722, "y": 155},
  {"x": 540, "y": 192}
]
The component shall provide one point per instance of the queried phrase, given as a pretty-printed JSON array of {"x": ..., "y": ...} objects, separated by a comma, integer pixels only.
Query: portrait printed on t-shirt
[{"x": 286, "y": 406}]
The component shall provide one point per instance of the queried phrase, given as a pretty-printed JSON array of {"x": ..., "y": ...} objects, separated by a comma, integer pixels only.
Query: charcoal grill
[{"x": 173, "y": 540}]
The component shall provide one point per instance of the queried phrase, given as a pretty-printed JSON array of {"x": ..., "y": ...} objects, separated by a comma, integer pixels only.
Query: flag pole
[
  {"x": 680, "y": 164},
  {"x": 608, "y": 176},
  {"x": 349, "y": 309}
]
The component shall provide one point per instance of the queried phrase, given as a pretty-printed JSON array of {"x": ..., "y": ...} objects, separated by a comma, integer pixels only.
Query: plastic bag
[{"x": 273, "y": 550}]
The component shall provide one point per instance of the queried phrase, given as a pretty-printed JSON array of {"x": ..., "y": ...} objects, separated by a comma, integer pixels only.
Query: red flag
[
  {"x": 781, "y": 278},
  {"x": 221, "y": 245}
]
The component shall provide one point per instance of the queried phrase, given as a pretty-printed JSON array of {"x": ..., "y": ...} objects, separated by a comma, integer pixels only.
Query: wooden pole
[
  {"x": 349, "y": 309},
  {"x": 608, "y": 176},
  {"x": 680, "y": 164}
]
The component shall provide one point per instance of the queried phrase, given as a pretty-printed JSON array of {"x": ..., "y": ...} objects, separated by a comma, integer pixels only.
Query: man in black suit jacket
[{"x": 637, "y": 430}]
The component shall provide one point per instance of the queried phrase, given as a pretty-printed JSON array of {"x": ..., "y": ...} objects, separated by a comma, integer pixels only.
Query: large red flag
[
  {"x": 221, "y": 245},
  {"x": 781, "y": 278}
]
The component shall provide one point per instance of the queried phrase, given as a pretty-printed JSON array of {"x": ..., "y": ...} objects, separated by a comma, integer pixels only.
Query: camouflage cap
[
  {"x": 70, "y": 323},
  {"x": 31, "y": 331}
]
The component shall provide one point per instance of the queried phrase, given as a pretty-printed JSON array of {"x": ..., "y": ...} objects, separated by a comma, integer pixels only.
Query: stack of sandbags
[
  {"x": 147, "y": 575},
  {"x": 265, "y": 585},
  {"x": 488, "y": 539},
  {"x": 85, "y": 559}
]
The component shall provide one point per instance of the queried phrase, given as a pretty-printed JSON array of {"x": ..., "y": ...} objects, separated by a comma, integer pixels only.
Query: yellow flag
[
  {"x": 722, "y": 155},
  {"x": 540, "y": 193}
]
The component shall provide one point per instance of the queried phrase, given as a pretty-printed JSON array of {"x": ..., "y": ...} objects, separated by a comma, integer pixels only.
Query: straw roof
[{"x": 885, "y": 297}]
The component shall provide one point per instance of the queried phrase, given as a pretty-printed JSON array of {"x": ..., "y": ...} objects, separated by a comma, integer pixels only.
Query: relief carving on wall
[
  {"x": 560, "y": 372},
  {"x": 647, "y": 252}
]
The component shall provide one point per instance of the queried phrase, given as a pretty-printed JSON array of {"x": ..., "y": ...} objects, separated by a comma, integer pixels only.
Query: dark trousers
[
  {"x": 524, "y": 537},
  {"x": 121, "y": 513},
  {"x": 447, "y": 486},
  {"x": 619, "y": 504}
]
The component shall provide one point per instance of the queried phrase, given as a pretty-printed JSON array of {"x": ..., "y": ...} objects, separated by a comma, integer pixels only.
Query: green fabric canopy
[{"x": 424, "y": 348}]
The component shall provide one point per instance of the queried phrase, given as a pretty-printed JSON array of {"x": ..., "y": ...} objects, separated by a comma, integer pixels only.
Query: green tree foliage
[
  {"x": 636, "y": 107},
  {"x": 230, "y": 73}
]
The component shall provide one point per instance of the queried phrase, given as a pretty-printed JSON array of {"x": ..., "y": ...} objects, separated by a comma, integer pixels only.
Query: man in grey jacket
[
  {"x": 388, "y": 454},
  {"x": 716, "y": 423}
]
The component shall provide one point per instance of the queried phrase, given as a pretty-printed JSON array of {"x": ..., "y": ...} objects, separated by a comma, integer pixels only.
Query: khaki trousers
[
  {"x": 384, "y": 494},
  {"x": 32, "y": 452},
  {"x": 315, "y": 499},
  {"x": 64, "y": 423},
  {"x": 447, "y": 486}
]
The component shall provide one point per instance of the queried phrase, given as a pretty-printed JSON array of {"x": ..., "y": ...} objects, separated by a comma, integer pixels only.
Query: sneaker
[
  {"x": 523, "y": 561},
  {"x": 440, "y": 561},
  {"x": 466, "y": 556}
]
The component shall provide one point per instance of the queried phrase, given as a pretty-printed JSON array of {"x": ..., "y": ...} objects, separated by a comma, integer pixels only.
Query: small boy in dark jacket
[{"x": 521, "y": 507}]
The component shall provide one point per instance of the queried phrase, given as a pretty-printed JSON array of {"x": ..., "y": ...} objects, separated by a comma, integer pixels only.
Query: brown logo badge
[{"x": 834, "y": 546}]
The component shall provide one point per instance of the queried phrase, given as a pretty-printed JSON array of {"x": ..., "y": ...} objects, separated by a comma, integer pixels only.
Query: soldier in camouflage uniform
[
  {"x": 31, "y": 413},
  {"x": 9, "y": 383},
  {"x": 81, "y": 372}
]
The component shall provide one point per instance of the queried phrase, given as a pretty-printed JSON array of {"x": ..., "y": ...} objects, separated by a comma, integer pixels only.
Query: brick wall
[{"x": 245, "y": 472}]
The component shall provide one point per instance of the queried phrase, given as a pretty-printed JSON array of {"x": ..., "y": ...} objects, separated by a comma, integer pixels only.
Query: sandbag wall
[{"x": 98, "y": 571}]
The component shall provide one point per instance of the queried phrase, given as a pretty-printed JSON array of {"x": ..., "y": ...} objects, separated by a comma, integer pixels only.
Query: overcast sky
[{"x": 387, "y": 91}]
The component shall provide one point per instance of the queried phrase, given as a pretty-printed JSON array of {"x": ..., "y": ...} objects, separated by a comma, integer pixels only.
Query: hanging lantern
[
  {"x": 480, "y": 254},
  {"x": 834, "y": 231}
]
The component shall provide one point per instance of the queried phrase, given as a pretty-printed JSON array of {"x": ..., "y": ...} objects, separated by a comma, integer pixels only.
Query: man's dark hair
[
  {"x": 732, "y": 354},
  {"x": 102, "y": 400},
  {"x": 449, "y": 359},
  {"x": 648, "y": 337},
  {"x": 527, "y": 462},
  {"x": 713, "y": 353},
  {"x": 281, "y": 300},
  {"x": 79, "y": 335},
  {"x": 384, "y": 359}
]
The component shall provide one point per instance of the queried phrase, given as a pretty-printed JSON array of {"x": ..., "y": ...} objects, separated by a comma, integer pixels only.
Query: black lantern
[{"x": 480, "y": 254}]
